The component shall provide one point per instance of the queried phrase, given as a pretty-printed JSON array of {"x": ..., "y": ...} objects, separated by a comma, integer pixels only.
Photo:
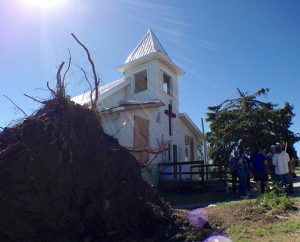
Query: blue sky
[{"x": 221, "y": 45}]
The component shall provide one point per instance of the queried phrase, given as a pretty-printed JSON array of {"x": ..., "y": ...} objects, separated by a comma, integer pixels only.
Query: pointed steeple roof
[
  {"x": 149, "y": 44},
  {"x": 148, "y": 49}
]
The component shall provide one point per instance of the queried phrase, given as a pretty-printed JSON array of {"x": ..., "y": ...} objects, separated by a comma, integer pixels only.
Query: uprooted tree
[{"x": 247, "y": 122}]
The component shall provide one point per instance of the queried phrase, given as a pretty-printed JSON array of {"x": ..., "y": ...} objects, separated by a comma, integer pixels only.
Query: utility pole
[{"x": 204, "y": 141}]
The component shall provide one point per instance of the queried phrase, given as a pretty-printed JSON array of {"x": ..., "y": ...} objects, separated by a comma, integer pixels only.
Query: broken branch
[
  {"x": 51, "y": 90},
  {"x": 34, "y": 99},
  {"x": 16, "y": 105},
  {"x": 96, "y": 78},
  {"x": 68, "y": 68},
  {"x": 149, "y": 150},
  {"x": 91, "y": 88},
  {"x": 60, "y": 87}
]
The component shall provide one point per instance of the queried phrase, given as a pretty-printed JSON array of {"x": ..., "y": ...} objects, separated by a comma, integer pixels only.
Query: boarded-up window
[
  {"x": 167, "y": 84},
  {"x": 140, "y": 80},
  {"x": 190, "y": 142},
  {"x": 141, "y": 138}
]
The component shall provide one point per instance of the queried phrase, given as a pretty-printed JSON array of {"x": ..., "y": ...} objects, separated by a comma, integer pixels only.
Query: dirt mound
[
  {"x": 63, "y": 179},
  {"x": 244, "y": 213}
]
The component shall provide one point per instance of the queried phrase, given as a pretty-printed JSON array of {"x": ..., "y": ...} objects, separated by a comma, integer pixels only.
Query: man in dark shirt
[{"x": 259, "y": 169}]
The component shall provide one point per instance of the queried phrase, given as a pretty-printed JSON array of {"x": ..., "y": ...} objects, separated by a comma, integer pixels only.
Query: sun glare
[{"x": 45, "y": 4}]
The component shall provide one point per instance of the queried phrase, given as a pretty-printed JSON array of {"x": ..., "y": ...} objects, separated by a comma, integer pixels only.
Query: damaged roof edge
[{"x": 104, "y": 91}]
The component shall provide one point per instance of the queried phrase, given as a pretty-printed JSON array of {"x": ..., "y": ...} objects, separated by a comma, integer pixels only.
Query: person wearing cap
[{"x": 281, "y": 162}]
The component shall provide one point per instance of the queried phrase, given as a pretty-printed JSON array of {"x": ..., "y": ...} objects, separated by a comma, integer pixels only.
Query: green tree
[{"x": 247, "y": 122}]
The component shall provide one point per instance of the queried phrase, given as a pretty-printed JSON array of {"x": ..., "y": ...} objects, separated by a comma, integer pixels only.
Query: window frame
[
  {"x": 134, "y": 79},
  {"x": 169, "y": 84}
]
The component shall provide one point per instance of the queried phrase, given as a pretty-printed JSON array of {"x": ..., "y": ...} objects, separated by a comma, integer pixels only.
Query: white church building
[{"x": 142, "y": 107}]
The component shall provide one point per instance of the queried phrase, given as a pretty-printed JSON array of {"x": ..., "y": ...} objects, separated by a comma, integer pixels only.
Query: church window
[
  {"x": 167, "y": 84},
  {"x": 140, "y": 79}
]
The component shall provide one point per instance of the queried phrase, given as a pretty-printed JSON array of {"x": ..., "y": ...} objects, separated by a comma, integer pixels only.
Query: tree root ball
[{"x": 63, "y": 179}]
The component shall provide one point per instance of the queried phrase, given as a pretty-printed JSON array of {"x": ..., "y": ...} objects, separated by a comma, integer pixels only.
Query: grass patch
[
  {"x": 248, "y": 233},
  {"x": 274, "y": 203},
  {"x": 240, "y": 232},
  {"x": 275, "y": 206},
  {"x": 286, "y": 227}
]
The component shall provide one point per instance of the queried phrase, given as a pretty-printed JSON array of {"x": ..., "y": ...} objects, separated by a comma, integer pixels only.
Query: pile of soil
[
  {"x": 63, "y": 179},
  {"x": 221, "y": 218}
]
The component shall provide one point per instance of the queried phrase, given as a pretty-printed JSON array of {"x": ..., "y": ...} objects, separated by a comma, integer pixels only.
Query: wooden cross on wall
[{"x": 171, "y": 115}]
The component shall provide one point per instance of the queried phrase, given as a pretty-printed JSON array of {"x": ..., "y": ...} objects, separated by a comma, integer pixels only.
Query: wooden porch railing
[
  {"x": 200, "y": 176},
  {"x": 205, "y": 172}
]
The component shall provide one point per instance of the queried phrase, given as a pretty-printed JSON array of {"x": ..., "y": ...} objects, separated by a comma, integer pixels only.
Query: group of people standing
[{"x": 259, "y": 165}]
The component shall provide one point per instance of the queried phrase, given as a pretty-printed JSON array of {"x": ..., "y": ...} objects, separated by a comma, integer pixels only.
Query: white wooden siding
[{"x": 125, "y": 136}]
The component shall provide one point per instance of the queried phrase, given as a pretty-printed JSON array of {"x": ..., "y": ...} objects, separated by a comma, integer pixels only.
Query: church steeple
[
  {"x": 148, "y": 49},
  {"x": 149, "y": 44}
]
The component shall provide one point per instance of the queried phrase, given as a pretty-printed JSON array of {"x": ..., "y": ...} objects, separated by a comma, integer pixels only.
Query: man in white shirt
[{"x": 281, "y": 162}]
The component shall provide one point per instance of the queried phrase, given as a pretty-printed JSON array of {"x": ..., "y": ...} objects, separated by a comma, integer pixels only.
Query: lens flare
[
  {"x": 217, "y": 238},
  {"x": 44, "y": 4},
  {"x": 198, "y": 217}
]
